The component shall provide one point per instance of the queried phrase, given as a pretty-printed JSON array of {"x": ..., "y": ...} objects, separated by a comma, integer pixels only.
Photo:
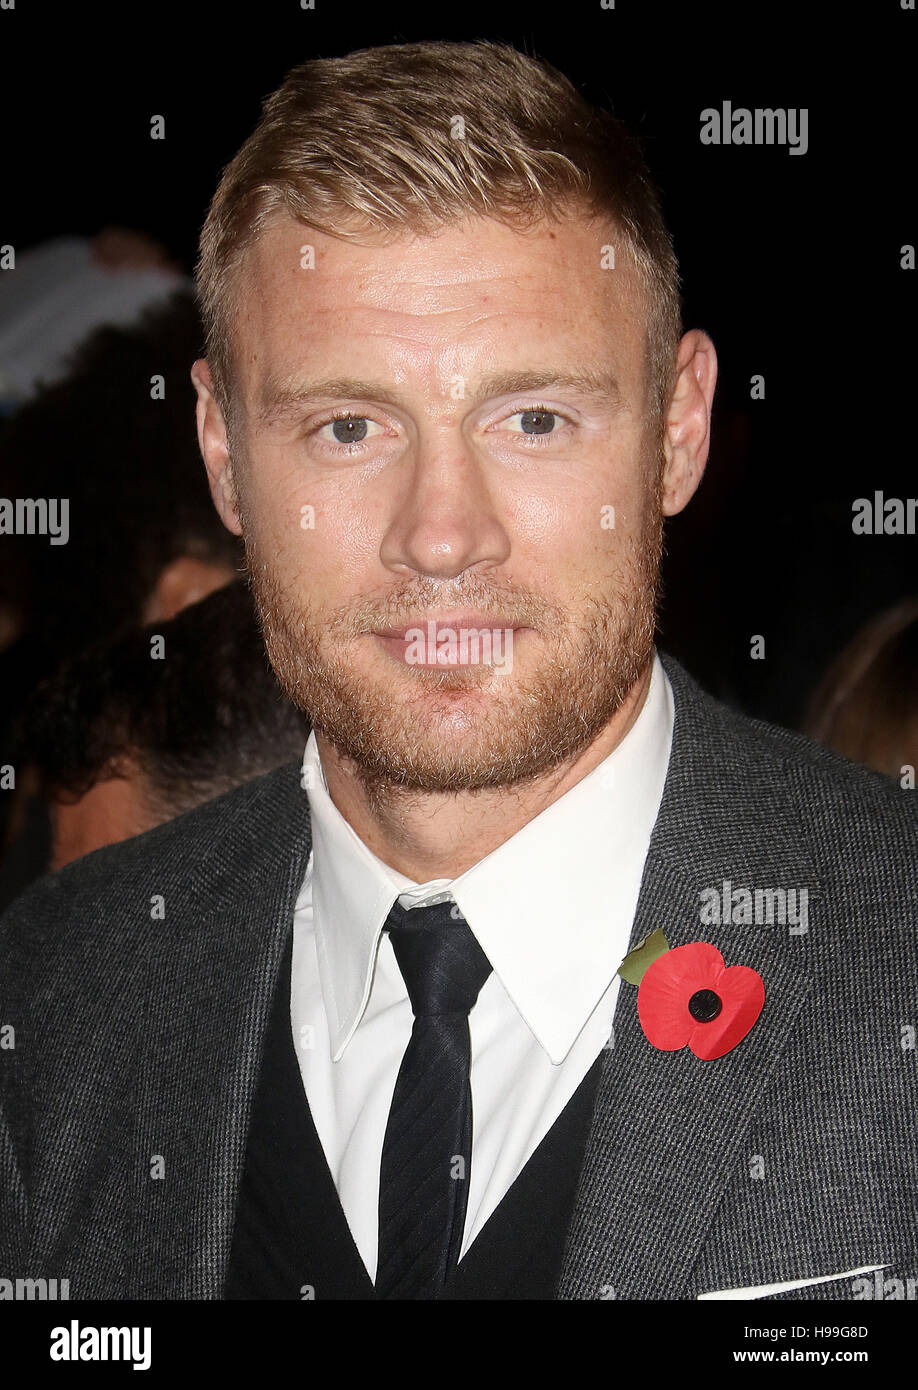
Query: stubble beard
[{"x": 420, "y": 734}]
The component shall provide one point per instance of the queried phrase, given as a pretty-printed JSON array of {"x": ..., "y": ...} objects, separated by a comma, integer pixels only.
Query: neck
[{"x": 428, "y": 835}]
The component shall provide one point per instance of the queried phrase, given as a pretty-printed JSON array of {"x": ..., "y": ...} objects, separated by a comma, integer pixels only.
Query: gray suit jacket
[{"x": 137, "y": 983}]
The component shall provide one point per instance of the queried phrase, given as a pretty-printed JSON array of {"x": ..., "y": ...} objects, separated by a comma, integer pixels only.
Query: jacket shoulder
[
  {"x": 851, "y": 815},
  {"x": 98, "y": 895}
]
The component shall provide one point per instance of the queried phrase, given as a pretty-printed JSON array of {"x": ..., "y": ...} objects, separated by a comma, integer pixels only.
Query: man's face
[{"x": 490, "y": 471}]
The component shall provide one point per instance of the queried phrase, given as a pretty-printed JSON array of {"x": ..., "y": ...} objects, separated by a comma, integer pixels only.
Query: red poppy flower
[{"x": 688, "y": 997}]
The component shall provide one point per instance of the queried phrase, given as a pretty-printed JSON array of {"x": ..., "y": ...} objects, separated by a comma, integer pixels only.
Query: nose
[{"x": 444, "y": 520}]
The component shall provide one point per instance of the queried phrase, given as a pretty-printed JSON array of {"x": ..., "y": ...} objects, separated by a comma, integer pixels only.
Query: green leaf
[{"x": 636, "y": 962}]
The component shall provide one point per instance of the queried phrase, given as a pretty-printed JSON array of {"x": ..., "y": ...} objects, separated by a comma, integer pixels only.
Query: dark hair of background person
[
  {"x": 206, "y": 716},
  {"x": 144, "y": 537},
  {"x": 130, "y": 467},
  {"x": 866, "y": 705}
]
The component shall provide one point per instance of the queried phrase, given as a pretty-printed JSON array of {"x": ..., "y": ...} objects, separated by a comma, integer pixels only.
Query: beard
[{"x": 420, "y": 729}]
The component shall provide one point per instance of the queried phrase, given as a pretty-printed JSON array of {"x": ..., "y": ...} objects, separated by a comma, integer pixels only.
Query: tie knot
[{"x": 442, "y": 964}]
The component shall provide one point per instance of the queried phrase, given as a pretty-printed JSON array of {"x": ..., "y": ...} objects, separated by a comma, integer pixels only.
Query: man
[{"x": 370, "y": 1039}]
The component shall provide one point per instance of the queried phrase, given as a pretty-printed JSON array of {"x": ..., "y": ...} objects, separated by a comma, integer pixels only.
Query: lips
[
  {"x": 481, "y": 622},
  {"x": 472, "y": 640}
]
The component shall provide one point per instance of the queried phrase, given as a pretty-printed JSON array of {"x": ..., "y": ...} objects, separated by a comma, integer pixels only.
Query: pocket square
[{"x": 765, "y": 1290}]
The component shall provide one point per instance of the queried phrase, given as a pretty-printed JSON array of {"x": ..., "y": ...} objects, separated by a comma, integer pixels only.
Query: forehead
[{"x": 474, "y": 297}]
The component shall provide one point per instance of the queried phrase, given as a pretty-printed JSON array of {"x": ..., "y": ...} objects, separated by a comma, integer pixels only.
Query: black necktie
[{"x": 427, "y": 1151}]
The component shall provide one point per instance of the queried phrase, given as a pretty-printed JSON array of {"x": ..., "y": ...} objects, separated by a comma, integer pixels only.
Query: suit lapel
[
  {"x": 208, "y": 1003},
  {"x": 668, "y": 1128}
]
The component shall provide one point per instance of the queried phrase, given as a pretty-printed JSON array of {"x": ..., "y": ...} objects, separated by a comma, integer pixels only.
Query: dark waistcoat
[{"x": 291, "y": 1238}]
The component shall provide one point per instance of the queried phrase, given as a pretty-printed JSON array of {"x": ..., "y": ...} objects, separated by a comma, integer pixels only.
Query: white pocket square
[{"x": 764, "y": 1290}]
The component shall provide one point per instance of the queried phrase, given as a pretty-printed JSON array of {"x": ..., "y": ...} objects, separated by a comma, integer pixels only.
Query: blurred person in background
[
  {"x": 59, "y": 291},
  {"x": 116, "y": 438},
  {"x": 134, "y": 732},
  {"x": 866, "y": 705}
]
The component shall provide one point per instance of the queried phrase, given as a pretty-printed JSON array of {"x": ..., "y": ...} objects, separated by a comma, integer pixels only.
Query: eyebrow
[{"x": 280, "y": 399}]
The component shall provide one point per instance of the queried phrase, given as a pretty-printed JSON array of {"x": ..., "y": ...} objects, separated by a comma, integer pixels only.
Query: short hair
[{"x": 364, "y": 144}]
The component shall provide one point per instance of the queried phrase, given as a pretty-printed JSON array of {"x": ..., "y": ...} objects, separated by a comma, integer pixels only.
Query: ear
[
  {"x": 687, "y": 435},
  {"x": 214, "y": 446}
]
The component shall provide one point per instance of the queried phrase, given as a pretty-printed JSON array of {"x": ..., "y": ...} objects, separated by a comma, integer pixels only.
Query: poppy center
[{"x": 705, "y": 1005}]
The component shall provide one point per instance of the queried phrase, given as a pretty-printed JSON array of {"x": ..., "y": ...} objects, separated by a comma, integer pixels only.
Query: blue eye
[
  {"x": 348, "y": 429},
  {"x": 536, "y": 421}
]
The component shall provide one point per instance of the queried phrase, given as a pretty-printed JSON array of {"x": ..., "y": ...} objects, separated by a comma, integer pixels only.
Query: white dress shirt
[{"x": 552, "y": 909}]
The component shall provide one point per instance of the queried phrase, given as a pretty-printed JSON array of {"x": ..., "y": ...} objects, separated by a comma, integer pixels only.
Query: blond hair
[{"x": 367, "y": 144}]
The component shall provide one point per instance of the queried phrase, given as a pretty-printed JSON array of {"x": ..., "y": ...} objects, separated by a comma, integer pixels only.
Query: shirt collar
[{"x": 552, "y": 907}]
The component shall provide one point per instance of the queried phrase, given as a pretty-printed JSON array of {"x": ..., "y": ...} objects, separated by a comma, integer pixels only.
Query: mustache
[{"x": 511, "y": 605}]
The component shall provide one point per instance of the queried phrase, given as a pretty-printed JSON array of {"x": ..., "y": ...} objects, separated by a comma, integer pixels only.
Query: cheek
[
  {"x": 534, "y": 518},
  {"x": 579, "y": 523},
  {"x": 278, "y": 516},
  {"x": 306, "y": 528}
]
